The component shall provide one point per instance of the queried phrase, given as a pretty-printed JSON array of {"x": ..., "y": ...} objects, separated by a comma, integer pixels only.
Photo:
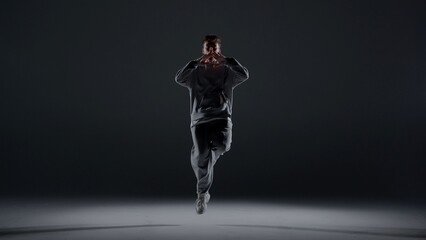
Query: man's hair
[{"x": 212, "y": 39}]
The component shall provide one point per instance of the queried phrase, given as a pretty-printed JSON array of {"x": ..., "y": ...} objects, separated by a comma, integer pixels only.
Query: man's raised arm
[
  {"x": 183, "y": 74},
  {"x": 241, "y": 72}
]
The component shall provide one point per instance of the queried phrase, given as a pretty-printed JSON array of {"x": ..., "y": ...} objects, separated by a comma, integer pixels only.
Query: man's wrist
[
  {"x": 195, "y": 63},
  {"x": 230, "y": 61}
]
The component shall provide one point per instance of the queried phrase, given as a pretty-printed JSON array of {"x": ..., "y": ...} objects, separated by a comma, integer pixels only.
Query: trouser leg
[
  {"x": 201, "y": 156},
  {"x": 221, "y": 138},
  {"x": 210, "y": 140}
]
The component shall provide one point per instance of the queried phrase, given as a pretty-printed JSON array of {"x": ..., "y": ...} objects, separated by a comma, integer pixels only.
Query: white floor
[{"x": 159, "y": 219}]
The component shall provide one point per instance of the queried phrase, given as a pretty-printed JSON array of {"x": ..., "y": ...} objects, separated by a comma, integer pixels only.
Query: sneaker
[{"x": 201, "y": 202}]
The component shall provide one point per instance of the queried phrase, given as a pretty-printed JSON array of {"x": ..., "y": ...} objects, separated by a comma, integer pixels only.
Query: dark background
[{"x": 335, "y": 105}]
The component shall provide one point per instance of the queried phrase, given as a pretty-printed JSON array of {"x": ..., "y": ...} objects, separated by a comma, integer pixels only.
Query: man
[{"x": 210, "y": 80}]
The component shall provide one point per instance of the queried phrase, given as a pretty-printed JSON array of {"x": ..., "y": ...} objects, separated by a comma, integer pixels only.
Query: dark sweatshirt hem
[{"x": 205, "y": 120}]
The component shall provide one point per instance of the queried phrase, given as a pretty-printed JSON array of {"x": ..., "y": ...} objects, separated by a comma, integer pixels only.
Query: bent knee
[{"x": 221, "y": 149}]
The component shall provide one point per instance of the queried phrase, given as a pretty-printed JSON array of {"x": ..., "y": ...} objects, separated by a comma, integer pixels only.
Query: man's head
[{"x": 211, "y": 43}]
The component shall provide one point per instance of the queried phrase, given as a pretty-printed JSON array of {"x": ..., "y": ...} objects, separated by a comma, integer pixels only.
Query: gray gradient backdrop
[{"x": 335, "y": 105}]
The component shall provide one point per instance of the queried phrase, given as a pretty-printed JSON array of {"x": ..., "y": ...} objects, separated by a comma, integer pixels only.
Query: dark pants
[{"x": 211, "y": 139}]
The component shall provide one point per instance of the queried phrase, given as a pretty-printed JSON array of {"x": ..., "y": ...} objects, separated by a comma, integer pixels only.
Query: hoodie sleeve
[
  {"x": 241, "y": 72},
  {"x": 183, "y": 75}
]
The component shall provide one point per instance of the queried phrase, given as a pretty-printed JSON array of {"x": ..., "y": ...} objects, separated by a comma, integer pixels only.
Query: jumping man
[{"x": 211, "y": 80}]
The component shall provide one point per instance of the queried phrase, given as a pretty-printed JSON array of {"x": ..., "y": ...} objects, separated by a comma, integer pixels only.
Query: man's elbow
[
  {"x": 178, "y": 76},
  {"x": 241, "y": 78},
  {"x": 247, "y": 74},
  {"x": 179, "y": 81}
]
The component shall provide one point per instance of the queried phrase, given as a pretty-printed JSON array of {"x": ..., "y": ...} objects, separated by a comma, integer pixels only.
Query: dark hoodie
[{"x": 211, "y": 89}]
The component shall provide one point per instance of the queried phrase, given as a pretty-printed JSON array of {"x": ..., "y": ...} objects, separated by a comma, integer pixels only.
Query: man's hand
[
  {"x": 212, "y": 58},
  {"x": 219, "y": 58},
  {"x": 206, "y": 58}
]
